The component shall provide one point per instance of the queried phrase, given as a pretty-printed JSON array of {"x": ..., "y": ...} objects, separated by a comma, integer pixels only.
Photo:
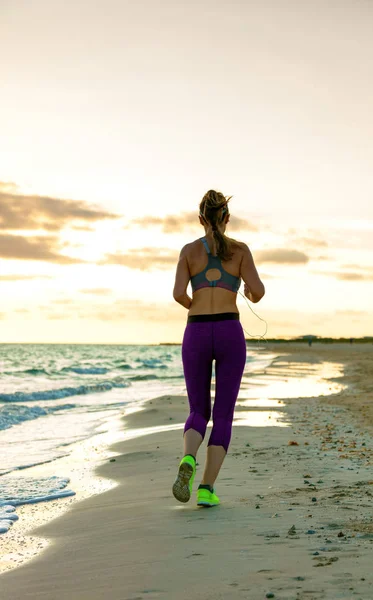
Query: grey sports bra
[{"x": 227, "y": 281}]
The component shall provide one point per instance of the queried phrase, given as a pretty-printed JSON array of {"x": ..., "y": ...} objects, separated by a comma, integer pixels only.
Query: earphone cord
[{"x": 264, "y": 321}]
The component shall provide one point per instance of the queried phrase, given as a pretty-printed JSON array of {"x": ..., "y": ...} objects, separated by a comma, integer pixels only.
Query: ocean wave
[
  {"x": 13, "y": 414},
  {"x": 36, "y": 372},
  {"x": 86, "y": 370},
  {"x": 7, "y": 517},
  {"x": 151, "y": 363},
  {"x": 143, "y": 377},
  {"x": 149, "y": 376},
  {"x": 29, "y": 490},
  {"x": 56, "y": 394},
  {"x": 28, "y": 372}
]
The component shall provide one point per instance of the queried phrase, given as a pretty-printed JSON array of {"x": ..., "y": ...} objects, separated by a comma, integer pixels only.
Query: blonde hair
[{"x": 213, "y": 208}]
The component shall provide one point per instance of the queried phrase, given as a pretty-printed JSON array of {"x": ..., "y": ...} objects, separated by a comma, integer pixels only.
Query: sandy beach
[{"x": 295, "y": 520}]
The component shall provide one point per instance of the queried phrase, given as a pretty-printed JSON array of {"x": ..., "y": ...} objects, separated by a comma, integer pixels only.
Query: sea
[{"x": 55, "y": 396}]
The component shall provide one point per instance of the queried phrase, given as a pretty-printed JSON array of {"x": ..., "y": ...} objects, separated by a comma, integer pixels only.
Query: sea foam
[{"x": 64, "y": 392}]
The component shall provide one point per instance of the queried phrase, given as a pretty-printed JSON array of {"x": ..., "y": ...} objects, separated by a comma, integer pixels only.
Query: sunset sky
[{"x": 117, "y": 117}]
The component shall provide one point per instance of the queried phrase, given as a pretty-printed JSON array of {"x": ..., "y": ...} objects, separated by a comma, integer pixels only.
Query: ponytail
[{"x": 213, "y": 209}]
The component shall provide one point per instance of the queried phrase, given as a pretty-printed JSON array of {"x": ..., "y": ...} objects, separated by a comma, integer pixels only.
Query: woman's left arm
[{"x": 182, "y": 279}]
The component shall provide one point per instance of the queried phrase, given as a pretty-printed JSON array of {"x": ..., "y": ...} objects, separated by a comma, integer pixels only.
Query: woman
[{"x": 215, "y": 265}]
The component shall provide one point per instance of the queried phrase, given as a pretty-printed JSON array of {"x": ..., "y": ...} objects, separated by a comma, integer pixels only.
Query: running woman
[{"x": 215, "y": 265}]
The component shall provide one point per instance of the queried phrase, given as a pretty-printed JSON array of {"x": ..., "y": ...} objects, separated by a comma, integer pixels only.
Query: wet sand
[{"x": 295, "y": 522}]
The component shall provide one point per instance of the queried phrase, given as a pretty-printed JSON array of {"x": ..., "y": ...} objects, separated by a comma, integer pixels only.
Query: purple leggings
[{"x": 203, "y": 342}]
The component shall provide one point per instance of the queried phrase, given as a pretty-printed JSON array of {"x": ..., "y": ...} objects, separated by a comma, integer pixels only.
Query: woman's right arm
[{"x": 254, "y": 288}]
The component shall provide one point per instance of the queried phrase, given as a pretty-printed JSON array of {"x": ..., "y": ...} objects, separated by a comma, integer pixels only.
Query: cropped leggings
[{"x": 206, "y": 338}]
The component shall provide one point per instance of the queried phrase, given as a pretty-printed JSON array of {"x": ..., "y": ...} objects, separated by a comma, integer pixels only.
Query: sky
[{"x": 117, "y": 117}]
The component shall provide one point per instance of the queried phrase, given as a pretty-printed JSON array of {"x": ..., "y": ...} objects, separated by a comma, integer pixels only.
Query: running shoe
[
  {"x": 207, "y": 498},
  {"x": 182, "y": 488}
]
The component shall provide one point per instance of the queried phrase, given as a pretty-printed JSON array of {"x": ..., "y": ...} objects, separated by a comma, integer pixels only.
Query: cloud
[
  {"x": 145, "y": 259},
  {"x": 187, "y": 221},
  {"x": 119, "y": 310},
  {"x": 350, "y": 276},
  {"x": 82, "y": 228},
  {"x": 8, "y": 186},
  {"x": 282, "y": 256},
  {"x": 351, "y": 313},
  {"x": 23, "y": 277},
  {"x": 139, "y": 310},
  {"x": 64, "y": 301},
  {"x": 347, "y": 275},
  {"x": 19, "y": 211},
  {"x": 313, "y": 242},
  {"x": 33, "y": 248},
  {"x": 97, "y": 291}
]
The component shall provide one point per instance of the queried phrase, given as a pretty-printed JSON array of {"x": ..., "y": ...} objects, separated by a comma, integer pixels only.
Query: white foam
[{"x": 16, "y": 491}]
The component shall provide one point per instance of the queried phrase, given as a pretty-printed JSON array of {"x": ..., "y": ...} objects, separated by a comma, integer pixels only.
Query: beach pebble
[
  {"x": 310, "y": 531},
  {"x": 112, "y": 460},
  {"x": 270, "y": 595},
  {"x": 341, "y": 534},
  {"x": 314, "y": 499},
  {"x": 315, "y": 553}
]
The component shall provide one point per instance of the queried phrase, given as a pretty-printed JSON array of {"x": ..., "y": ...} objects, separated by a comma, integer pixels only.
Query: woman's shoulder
[
  {"x": 237, "y": 244},
  {"x": 195, "y": 245},
  {"x": 190, "y": 248}
]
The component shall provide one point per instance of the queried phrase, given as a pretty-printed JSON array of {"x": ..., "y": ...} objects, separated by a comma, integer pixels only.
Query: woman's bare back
[
  {"x": 211, "y": 300},
  {"x": 214, "y": 299}
]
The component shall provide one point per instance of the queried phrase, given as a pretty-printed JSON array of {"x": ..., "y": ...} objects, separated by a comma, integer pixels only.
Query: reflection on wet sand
[{"x": 269, "y": 388}]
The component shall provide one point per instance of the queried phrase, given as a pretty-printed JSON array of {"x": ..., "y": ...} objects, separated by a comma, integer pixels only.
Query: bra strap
[{"x": 204, "y": 242}]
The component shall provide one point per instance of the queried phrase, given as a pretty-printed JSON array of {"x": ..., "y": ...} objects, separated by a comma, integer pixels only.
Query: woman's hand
[{"x": 246, "y": 290}]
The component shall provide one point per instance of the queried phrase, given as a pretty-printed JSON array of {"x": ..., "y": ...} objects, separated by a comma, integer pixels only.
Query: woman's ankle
[
  {"x": 206, "y": 486},
  {"x": 192, "y": 455}
]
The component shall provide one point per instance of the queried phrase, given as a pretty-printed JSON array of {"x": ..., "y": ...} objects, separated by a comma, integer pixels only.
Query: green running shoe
[
  {"x": 207, "y": 498},
  {"x": 182, "y": 488}
]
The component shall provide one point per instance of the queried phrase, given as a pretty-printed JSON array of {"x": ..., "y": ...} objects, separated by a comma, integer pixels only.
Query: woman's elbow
[
  {"x": 177, "y": 295},
  {"x": 259, "y": 295}
]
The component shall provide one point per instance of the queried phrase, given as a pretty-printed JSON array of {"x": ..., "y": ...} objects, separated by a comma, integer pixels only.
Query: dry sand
[{"x": 295, "y": 520}]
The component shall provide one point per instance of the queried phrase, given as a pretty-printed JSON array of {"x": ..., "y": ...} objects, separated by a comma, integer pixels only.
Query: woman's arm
[
  {"x": 254, "y": 288},
  {"x": 182, "y": 279}
]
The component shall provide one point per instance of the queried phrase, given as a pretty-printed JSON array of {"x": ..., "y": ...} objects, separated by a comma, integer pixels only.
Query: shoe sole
[
  {"x": 207, "y": 504},
  {"x": 180, "y": 489}
]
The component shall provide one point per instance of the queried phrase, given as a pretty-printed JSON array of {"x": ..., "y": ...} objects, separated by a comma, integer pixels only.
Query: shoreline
[
  {"x": 139, "y": 458},
  {"x": 19, "y": 545}
]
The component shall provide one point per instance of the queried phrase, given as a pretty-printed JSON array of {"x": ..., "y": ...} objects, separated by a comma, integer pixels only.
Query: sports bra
[{"x": 227, "y": 281}]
